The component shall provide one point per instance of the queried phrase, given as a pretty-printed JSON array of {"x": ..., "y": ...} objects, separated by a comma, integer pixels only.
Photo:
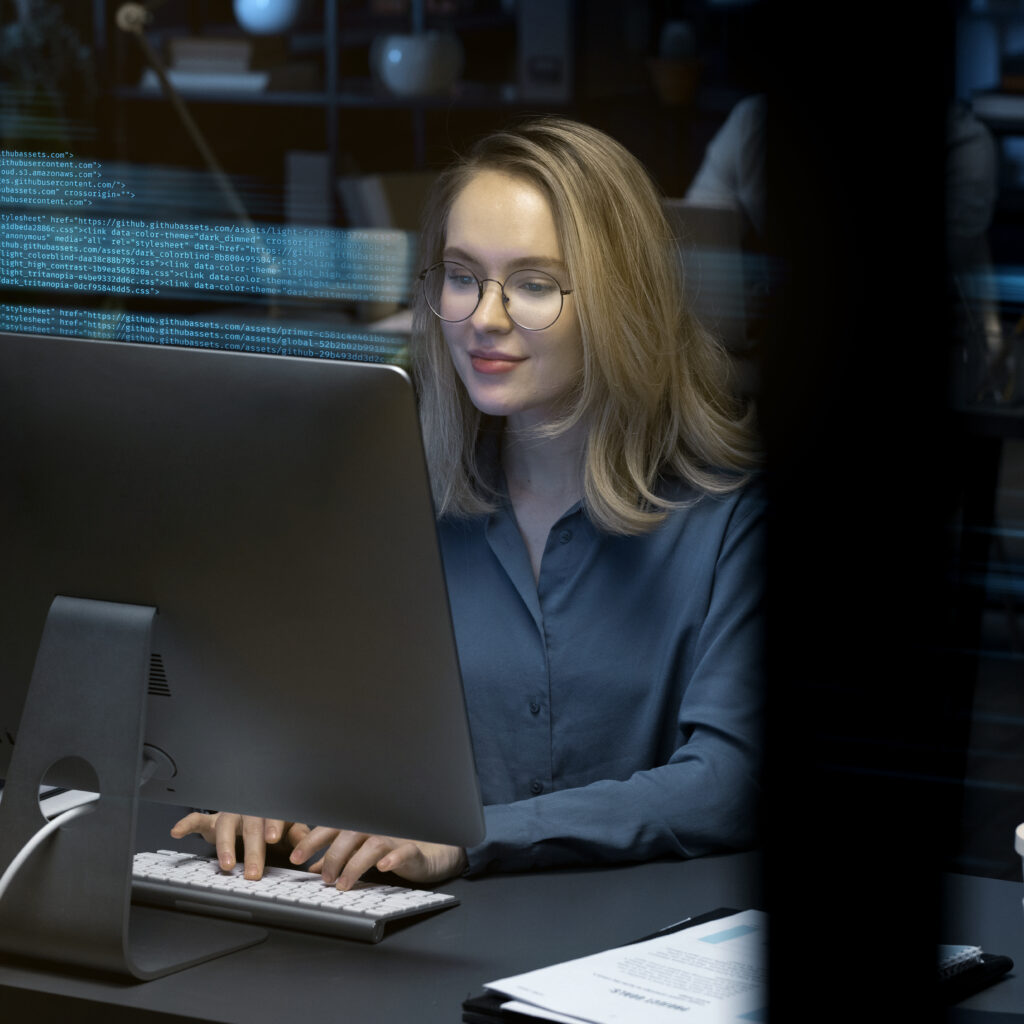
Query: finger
[
  {"x": 255, "y": 846},
  {"x": 312, "y": 840},
  {"x": 194, "y": 823},
  {"x": 424, "y": 862},
  {"x": 296, "y": 832},
  {"x": 225, "y": 832},
  {"x": 338, "y": 854},
  {"x": 364, "y": 857},
  {"x": 406, "y": 860},
  {"x": 273, "y": 830}
]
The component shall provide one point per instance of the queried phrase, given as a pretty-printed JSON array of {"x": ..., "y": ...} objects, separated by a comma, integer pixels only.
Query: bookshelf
[
  {"x": 328, "y": 79},
  {"x": 599, "y": 49}
]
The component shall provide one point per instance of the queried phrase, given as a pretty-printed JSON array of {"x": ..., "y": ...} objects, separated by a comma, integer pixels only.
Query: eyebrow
[{"x": 519, "y": 263}]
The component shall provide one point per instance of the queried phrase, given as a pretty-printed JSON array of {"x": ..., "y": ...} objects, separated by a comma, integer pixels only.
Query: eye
[
  {"x": 535, "y": 286},
  {"x": 458, "y": 277}
]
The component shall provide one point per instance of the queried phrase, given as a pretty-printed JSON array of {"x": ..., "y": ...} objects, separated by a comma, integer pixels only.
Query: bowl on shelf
[
  {"x": 418, "y": 64},
  {"x": 266, "y": 17}
]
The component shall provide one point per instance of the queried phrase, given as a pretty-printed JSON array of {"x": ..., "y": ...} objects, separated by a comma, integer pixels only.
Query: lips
[{"x": 494, "y": 362}]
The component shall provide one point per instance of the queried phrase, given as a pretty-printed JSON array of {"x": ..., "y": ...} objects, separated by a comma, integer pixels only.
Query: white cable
[{"x": 51, "y": 826}]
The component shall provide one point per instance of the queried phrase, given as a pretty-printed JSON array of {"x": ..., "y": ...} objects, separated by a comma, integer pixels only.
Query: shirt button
[
  {"x": 565, "y": 536},
  {"x": 536, "y": 787},
  {"x": 534, "y": 707}
]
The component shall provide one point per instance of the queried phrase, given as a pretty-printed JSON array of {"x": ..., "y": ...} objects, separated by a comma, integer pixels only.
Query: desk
[
  {"x": 987, "y": 912},
  {"x": 506, "y": 924},
  {"x": 418, "y": 974}
]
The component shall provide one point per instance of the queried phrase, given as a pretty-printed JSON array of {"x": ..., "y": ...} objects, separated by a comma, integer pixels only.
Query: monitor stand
[{"x": 70, "y": 902}]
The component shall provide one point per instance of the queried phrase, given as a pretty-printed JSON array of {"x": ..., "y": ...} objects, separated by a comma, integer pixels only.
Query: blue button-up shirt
[{"x": 615, "y": 703}]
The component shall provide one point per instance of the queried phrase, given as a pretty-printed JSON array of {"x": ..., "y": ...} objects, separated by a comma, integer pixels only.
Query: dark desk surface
[
  {"x": 423, "y": 972},
  {"x": 506, "y": 924},
  {"x": 988, "y": 912}
]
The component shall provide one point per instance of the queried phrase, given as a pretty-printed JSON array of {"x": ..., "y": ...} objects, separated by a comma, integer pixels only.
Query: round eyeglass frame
[{"x": 480, "y": 282}]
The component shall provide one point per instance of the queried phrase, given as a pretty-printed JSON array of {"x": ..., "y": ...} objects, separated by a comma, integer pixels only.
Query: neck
[{"x": 546, "y": 468}]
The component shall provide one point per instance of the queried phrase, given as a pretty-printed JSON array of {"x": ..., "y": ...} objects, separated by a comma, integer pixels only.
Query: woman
[{"x": 600, "y": 538}]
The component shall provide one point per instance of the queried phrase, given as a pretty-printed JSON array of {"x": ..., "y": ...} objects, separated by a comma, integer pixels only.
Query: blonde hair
[{"x": 655, "y": 393}]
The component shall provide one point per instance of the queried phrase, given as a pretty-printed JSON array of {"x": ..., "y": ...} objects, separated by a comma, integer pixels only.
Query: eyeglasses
[{"x": 532, "y": 298}]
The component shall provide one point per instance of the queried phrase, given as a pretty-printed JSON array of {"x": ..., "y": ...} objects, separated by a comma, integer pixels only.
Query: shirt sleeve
[
  {"x": 732, "y": 171},
  {"x": 704, "y": 799}
]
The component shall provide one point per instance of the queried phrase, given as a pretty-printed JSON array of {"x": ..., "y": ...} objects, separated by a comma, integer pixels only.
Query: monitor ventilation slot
[{"x": 158, "y": 677}]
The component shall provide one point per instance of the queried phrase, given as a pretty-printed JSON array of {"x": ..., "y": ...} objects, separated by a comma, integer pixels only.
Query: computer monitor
[{"x": 300, "y": 663}]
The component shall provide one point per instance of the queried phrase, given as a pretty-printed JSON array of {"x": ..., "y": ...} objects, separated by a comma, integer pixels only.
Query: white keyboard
[{"x": 283, "y": 897}]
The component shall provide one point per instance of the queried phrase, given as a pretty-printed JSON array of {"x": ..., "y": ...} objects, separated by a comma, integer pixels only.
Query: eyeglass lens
[{"x": 533, "y": 299}]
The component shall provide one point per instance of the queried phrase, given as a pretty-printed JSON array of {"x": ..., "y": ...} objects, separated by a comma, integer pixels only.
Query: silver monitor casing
[{"x": 276, "y": 512}]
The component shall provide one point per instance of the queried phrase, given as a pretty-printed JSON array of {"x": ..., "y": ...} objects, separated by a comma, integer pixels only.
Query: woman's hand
[
  {"x": 347, "y": 857},
  {"x": 350, "y": 854},
  {"x": 222, "y": 830}
]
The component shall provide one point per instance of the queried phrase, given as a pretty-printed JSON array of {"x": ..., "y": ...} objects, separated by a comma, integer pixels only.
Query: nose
[{"x": 490, "y": 313}]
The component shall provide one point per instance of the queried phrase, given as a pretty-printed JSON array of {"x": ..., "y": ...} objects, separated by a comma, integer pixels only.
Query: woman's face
[{"x": 499, "y": 224}]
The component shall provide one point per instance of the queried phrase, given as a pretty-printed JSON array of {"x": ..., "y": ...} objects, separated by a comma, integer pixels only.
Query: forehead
[{"x": 498, "y": 217}]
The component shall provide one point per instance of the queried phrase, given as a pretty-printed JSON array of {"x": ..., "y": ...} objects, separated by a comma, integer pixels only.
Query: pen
[
  {"x": 687, "y": 922},
  {"x": 664, "y": 931}
]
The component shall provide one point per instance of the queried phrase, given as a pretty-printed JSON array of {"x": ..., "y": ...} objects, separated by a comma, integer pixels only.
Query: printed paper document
[{"x": 711, "y": 973}]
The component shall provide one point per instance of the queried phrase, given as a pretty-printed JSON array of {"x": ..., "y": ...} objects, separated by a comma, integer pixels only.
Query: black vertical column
[{"x": 860, "y": 781}]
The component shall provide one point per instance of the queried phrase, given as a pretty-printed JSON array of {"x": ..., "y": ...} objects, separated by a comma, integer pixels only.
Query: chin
[
  {"x": 491, "y": 401},
  {"x": 493, "y": 406}
]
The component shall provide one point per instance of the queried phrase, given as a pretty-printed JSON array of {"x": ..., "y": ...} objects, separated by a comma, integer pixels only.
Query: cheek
[
  {"x": 450, "y": 334},
  {"x": 569, "y": 353},
  {"x": 568, "y": 342}
]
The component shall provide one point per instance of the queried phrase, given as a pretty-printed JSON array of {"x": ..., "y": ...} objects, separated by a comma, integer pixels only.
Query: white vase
[{"x": 266, "y": 17}]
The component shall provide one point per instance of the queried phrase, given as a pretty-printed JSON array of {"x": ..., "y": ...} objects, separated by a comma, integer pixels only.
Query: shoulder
[
  {"x": 713, "y": 526},
  {"x": 744, "y": 124},
  {"x": 737, "y": 501},
  {"x": 749, "y": 114},
  {"x": 455, "y": 528}
]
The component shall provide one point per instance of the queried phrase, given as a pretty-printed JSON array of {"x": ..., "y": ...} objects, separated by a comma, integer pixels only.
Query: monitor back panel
[{"x": 276, "y": 511}]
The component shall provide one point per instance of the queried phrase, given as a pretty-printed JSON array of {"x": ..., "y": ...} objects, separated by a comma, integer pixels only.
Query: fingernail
[
  {"x": 272, "y": 835},
  {"x": 252, "y": 873}
]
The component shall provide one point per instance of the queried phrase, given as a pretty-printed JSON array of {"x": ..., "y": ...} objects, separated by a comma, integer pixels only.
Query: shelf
[
  {"x": 1001, "y": 111},
  {"x": 355, "y": 93},
  {"x": 465, "y": 96},
  {"x": 1003, "y": 125},
  {"x": 265, "y": 97}
]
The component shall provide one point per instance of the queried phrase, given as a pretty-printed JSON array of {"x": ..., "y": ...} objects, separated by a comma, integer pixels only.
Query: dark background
[{"x": 895, "y": 574}]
